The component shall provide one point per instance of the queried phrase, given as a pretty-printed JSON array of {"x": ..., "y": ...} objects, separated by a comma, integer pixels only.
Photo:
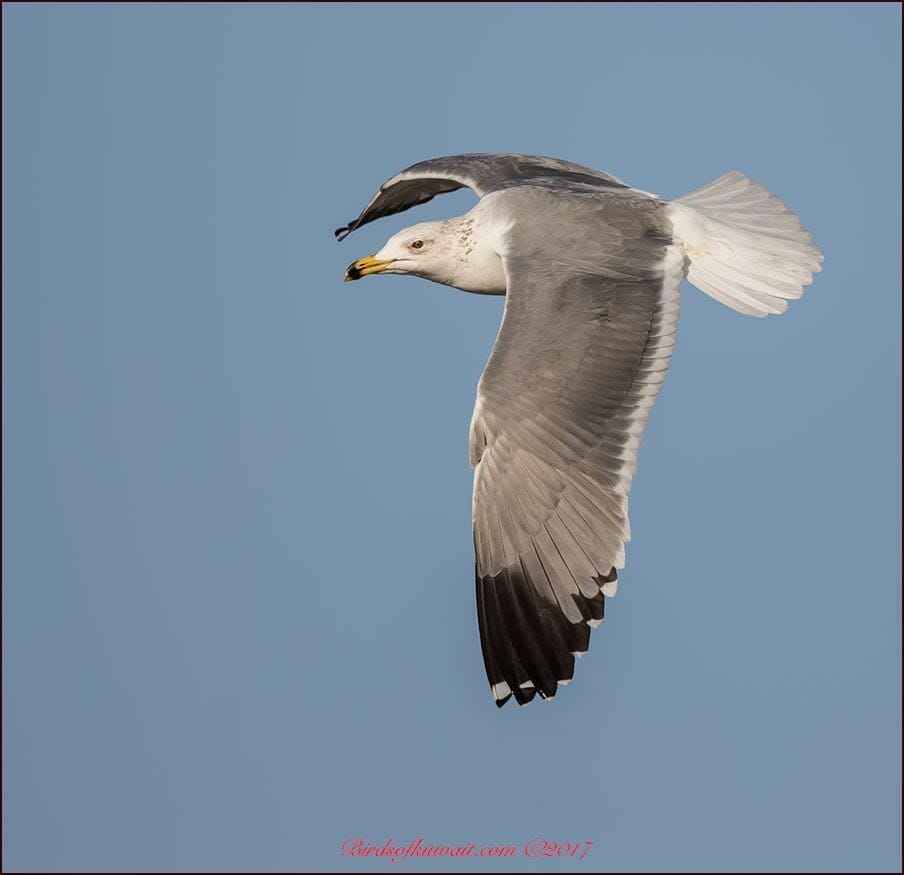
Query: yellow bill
[{"x": 365, "y": 266}]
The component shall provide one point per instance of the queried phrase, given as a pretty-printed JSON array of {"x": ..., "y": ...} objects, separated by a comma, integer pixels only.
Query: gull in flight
[{"x": 590, "y": 268}]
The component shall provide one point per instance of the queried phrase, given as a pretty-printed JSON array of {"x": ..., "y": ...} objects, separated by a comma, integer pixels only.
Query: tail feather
[{"x": 745, "y": 248}]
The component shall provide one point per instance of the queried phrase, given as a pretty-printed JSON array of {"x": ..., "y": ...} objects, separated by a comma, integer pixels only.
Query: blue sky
[{"x": 238, "y": 598}]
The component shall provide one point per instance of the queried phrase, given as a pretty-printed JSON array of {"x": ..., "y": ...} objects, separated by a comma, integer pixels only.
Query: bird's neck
[{"x": 477, "y": 265}]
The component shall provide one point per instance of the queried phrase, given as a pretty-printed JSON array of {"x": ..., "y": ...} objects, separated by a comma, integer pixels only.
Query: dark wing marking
[{"x": 482, "y": 173}]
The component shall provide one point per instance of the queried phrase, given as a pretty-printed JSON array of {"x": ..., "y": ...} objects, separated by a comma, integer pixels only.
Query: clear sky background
[{"x": 239, "y": 621}]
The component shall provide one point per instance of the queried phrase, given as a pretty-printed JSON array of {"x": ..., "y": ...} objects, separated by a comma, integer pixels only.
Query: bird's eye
[{"x": 418, "y": 244}]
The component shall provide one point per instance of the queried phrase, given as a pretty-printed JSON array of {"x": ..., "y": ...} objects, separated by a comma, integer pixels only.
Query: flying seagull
[{"x": 591, "y": 270}]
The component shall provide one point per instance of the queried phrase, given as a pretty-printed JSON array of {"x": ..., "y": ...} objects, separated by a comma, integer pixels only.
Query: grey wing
[
  {"x": 589, "y": 326},
  {"x": 482, "y": 173}
]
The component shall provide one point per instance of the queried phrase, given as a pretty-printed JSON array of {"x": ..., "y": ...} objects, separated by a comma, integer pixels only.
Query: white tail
[{"x": 744, "y": 246}]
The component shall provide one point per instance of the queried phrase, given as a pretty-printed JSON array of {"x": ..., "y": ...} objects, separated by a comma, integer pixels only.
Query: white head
[
  {"x": 423, "y": 250},
  {"x": 447, "y": 252}
]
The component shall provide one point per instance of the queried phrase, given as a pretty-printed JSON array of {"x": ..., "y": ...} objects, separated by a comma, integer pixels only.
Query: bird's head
[{"x": 423, "y": 250}]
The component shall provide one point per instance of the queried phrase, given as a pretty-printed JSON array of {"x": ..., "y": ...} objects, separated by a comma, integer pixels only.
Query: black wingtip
[
  {"x": 503, "y": 700},
  {"x": 342, "y": 233},
  {"x": 524, "y": 695}
]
